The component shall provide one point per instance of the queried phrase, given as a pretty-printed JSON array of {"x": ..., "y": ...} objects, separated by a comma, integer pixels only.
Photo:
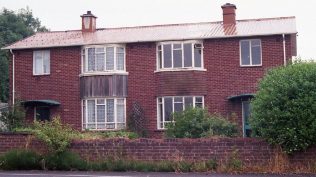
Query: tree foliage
[
  {"x": 197, "y": 123},
  {"x": 13, "y": 27},
  {"x": 284, "y": 109}
]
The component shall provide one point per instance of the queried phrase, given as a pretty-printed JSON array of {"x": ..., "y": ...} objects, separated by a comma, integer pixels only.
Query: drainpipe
[
  {"x": 284, "y": 52},
  {"x": 13, "y": 78}
]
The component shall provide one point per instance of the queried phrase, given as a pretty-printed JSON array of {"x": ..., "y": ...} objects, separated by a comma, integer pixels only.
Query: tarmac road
[{"x": 135, "y": 174}]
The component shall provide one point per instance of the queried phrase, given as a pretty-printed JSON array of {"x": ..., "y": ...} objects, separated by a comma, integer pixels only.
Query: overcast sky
[{"x": 65, "y": 14}]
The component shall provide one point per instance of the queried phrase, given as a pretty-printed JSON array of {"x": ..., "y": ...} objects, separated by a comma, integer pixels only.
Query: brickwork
[{"x": 252, "y": 152}]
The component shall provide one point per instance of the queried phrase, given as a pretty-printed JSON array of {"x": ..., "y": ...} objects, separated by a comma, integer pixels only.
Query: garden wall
[{"x": 252, "y": 152}]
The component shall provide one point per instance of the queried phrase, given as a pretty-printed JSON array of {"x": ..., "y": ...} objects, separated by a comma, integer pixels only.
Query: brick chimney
[
  {"x": 88, "y": 22},
  {"x": 229, "y": 13}
]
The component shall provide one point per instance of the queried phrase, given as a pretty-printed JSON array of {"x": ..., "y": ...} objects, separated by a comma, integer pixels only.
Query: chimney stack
[
  {"x": 88, "y": 22},
  {"x": 229, "y": 13}
]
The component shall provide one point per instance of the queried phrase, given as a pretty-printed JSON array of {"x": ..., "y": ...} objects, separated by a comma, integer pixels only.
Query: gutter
[
  {"x": 13, "y": 77},
  {"x": 284, "y": 51}
]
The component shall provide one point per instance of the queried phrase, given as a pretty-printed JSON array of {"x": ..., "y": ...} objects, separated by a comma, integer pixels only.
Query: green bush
[
  {"x": 119, "y": 134},
  {"x": 65, "y": 161},
  {"x": 20, "y": 160},
  {"x": 284, "y": 109},
  {"x": 197, "y": 123},
  {"x": 54, "y": 134},
  {"x": 13, "y": 118}
]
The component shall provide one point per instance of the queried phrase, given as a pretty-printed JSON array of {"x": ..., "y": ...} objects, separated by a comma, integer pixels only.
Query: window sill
[
  {"x": 250, "y": 66},
  {"x": 103, "y": 73},
  {"x": 41, "y": 74},
  {"x": 180, "y": 69}
]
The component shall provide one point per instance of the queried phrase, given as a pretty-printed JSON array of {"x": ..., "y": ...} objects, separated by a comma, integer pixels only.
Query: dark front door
[{"x": 42, "y": 113}]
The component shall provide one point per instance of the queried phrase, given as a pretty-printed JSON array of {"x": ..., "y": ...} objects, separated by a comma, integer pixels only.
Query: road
[{"x": 134, "y": 174}]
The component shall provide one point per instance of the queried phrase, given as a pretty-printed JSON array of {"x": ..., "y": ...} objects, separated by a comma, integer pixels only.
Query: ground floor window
[
  {"x": 167, "y": 105},
  {"x": 246, "y": 108},
  {"x": 104, "y": 113},
  {"x": 42, "y": 113}
]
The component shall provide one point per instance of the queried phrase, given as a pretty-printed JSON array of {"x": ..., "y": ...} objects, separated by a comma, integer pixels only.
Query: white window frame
[
  {"x": 84, "y": 60},
  {"x": 193, "y": 42},
  {"x": 163, "y": 108},
  {"x": 85, "y": 117},
  {"x": 34, "y": 65},
  {"x": 250, "y": 53}
]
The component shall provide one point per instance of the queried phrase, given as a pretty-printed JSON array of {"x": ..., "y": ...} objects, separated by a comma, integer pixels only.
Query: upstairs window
[
  {"x": 250, "y": 52},
  {"x": 168, "y": 105},
  {"x": 103, "y": 59},
  {"x": 180, "y": 55},
  {"x": 41, "y": 62}
]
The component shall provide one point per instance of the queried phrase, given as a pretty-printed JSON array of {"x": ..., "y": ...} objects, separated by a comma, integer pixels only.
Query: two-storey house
[{"x": 94, "y": 78}]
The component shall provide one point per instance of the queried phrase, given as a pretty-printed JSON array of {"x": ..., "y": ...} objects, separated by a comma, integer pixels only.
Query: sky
[{"x": 61, "y": 15}]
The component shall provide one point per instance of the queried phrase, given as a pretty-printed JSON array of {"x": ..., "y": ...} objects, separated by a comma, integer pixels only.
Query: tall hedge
[{"x": 284, "y": 109}]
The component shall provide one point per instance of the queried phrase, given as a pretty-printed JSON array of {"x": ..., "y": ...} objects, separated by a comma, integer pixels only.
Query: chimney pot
[
  {"x": 88, "y": 21},
  {"x": 229, "y": 13}
]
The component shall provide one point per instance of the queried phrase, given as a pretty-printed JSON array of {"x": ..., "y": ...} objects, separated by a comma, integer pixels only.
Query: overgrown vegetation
[
  {"x": 197, "y": 123},
  {"x": 284, "y": 109},
  {"x": 20, "y": 160},
  {"x": 13, "y": 118}
]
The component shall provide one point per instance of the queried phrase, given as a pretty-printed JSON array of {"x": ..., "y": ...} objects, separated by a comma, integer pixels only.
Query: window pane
[
  {"x": 100, "y": 113},
  {"x": 197, "y": 55},
  {"x": 256, "y": 52},
  {"x": 110, "y": 58},
  {"x": 120, "y": 110},
  {"x": 110, "y": 110},
  {"x": 188, "y": 101},
  {"x": 120, "y": 58},
  {"x": 167, "y": 55},
  {"x": 38, "y": 65},
  {"x": 91, "y": 59},
  {"x": 187, "y": 55},
  {"x": 100, "y": 61},
  {"x": 46, "y": 62},
  {"x": 245, "y": 53},
  {"x": 159, "y": 59},
  {"x": 177, "y": 58},
  {"x": 199, "y": 102},
  {"x": 168, "y": 109},
  {"x": 100, "y": 101},
  {"x": 178, "y": 107},
  {"x": 91, "y": 111},
  {"x": 160, "y": 117}
]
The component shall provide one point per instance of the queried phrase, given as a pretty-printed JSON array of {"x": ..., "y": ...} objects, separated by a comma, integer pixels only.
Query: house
[{"x": 93, "y": 78}]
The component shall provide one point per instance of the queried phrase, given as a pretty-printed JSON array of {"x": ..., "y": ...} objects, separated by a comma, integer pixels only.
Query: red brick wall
[
  {"x": 224, "y": 77},
  {"x": 252, "y": 152},
  {"x": 61, "y": 85}
]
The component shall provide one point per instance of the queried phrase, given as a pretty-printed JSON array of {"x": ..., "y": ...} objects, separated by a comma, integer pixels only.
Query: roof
[
  {"x": 205, "y": 30},
  {"x": 243, "y": 95},
  {"x": 41, "y": 102}
]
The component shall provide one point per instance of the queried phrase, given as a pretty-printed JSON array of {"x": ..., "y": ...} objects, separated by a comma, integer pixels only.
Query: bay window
[
  {"x": 180, "y": 55},
  {"x": 104, "y": 114},
  {"x": 103, "y": 59},
  {"x": 168, "y": 105}
]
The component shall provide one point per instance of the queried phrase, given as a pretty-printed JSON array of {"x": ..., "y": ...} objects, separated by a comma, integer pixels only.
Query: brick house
[{"x": 93, "y": 78}]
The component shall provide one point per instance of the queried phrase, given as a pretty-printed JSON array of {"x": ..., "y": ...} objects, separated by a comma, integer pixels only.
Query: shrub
[
  {"x": 284, "y": 109},
  {"x": 20, "y": 160},
  {"x": 13, "y": 118},
  {"x": 54, "y": 134},
  {"x": 65, "y": 161},
  {"x": 197, "y": 123}
]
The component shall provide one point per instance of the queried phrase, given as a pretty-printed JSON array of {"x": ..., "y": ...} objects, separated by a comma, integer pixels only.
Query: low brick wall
[{"x": 252, "y": 151}]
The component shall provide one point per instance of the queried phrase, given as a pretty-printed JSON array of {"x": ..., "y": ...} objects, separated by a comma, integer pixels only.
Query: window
[
  {"x": 180, "y": 55},
  {"x": 167, "y": 105},
  {"x": 246, "y": 108},
  {"x": 41, "y": 62},
  {"x": 103, "y": 114},
  {"x": 250, "y": 52},
  {"x": 42, "y": 113},
  {"x": 103, "y": 59}
]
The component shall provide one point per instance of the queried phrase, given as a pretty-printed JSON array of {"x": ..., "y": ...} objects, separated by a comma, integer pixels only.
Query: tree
[
  {"x": 13, "y": 27},
  {"x": 284, "y": 109}
]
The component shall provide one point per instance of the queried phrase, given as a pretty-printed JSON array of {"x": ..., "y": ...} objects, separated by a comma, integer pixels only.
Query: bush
[
  {"x": 54, "y": 134},
  {"x": 284, "y": 109},
  {"x": 197, "y": 123},
  {"x": 65, "y": 161},
  {"x": 20, "y": 160},
  {"x": 13, "y": 118}
]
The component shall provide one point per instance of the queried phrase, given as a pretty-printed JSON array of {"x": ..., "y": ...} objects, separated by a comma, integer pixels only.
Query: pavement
[{"x": 135, "y": 174}]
